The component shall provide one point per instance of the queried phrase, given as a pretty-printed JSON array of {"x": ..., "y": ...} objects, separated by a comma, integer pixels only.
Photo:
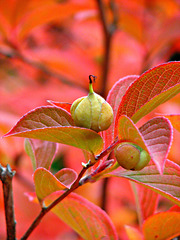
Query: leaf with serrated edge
[
  {"x": 64, "y": 106},
  {"x": 41, "y": 152},
  {"x": 151, "y": 89},
  {"x": 164, "y": 225},
  {"x": 168, "y": 184},
  {"x": 175, "y": 120},
  {"x": 46, "y": 183},
  {"x": 155, "y": 137},
  {"x": 114, "y": 98},
  {"x": 87, "y": 219},
  {"x": 50, "y": 124}
]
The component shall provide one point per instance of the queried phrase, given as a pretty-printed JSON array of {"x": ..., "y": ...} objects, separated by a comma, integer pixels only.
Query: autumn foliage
[{"x": 65, "y": 179}]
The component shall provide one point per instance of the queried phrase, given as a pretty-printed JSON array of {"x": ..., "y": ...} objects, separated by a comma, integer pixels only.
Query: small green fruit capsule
[
  {"x": 131, "y": 157},
  {"x": 92, "y": 112}
]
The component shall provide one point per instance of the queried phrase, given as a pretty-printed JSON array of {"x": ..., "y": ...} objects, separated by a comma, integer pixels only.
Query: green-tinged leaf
[
  {"x": 41, "y": 118},
  {"x": 66, "y": 176},
  {"x": 30, "y": 152},
  {"x": 168, "y": 184},
  {"x": 154, "y": 137},
  {"x": 41, "y": 152},
  {"x": 52, "y": 124},
  {"x": 78, "y": 137},
  {"x": 65, "y": 106},
  {"x": 161, "y": 226},
  {"x": 175, "y": 120},
  {"x": 128, "y": 131},
  {"x": 114, "y": 98},
  {"x": 151, "y": 89},
  {"x": 46, "y": 183},
  {"x": 87, "y": 219}
]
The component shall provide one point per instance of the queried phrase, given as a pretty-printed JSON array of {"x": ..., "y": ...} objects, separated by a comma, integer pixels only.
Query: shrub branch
[
  {"x": 6, "y": 176},
  {"x": 74, "y": 186}
]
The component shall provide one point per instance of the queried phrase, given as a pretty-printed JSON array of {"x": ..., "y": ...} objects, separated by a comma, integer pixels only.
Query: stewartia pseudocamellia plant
[{"x": 131, "y": 98}]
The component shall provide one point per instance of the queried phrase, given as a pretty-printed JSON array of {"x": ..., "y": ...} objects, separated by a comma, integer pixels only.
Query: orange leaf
[
  {"x": 65, "y": 106},
  {"x": 87, "y": 219},
  {"x": 48, "y": 13},
  {"x": 46, "y": 183},
  {"x": 175, "y": 120},
  {"x": 165, "y": 225},
  {"x": 133, "y": 233}
]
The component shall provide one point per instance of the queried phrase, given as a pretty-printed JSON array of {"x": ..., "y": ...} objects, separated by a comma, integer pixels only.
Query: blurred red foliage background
[{"x": 48, "y": 48}]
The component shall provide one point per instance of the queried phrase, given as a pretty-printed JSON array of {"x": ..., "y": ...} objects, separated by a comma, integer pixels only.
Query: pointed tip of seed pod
[{"x": 92, "y": 79}]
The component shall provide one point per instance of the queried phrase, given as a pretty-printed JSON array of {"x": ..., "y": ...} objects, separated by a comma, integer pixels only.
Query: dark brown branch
[
  {"x": 108, "y": 31},
  {"x": 103, "y": 203},
  {"x": 6, "y": 176}
]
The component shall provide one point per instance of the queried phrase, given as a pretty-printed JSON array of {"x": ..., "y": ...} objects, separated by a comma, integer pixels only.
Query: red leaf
[
  {"x": 146, "y": 201},
  {"x": 65, "y": 106},
  {"x": 157, "y": 134},
  {"x": 151, "y": 89},
  {"x": 40, "y": 118},
  {"x": 47, "y": 124},
  {"x": 155, "y": 137},
  {"x": 168, "y": 184},
  {"x": 114, "y": 98}
]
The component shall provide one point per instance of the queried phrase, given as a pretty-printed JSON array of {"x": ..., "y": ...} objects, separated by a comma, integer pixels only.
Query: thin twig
[
  {"x": 16, "y": 54},
  {"x": 108, "y": 32},
  {"x": 6, "y": 176},
  {"x": 104, "y": 194},
  {"x": 45, "y": 210},
  {"x": 74, "y": 186},
  {"x": 108, "y": 150}
]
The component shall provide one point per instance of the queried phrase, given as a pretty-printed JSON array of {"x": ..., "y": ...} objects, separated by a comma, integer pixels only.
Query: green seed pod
[
  {"x": 92, "y": 111},
  {"x": 131, "y": 157}
]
